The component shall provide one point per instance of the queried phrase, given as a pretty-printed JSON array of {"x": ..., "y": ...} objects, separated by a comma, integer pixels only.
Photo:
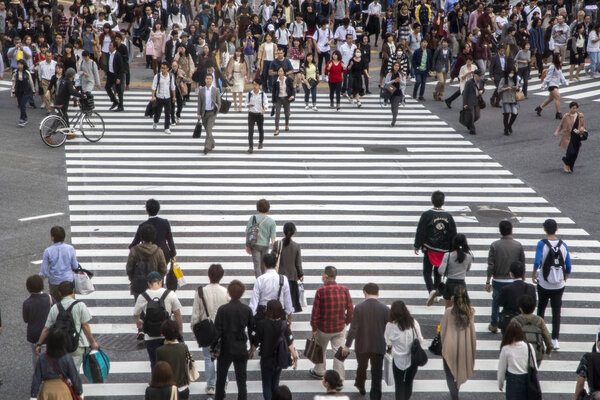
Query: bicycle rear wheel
[
  {"x": 52, "y": 130},
  {"x": 92, "y": 126}
]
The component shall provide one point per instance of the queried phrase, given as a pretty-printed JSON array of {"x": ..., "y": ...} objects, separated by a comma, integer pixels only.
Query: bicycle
[{"x": 54, "y": 128}]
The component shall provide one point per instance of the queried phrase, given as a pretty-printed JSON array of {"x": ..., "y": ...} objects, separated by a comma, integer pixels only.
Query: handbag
[
  {"x": 313, "y": 350},
  {"x": 505, "y": 317},
  {"x": 149, "y": 48},
  {"x": 96, "y": 366},
  {"x": 391, "y": 88},
  {"x": 388, "y": 369},
  {"x": 83, "y": 281},
  {"x": 225, "y": 105},
  {"x": 481, "y": 102},
  {"x": 534, "y": 391},
  {"x": 584, "y": 135},
  {"x": 183, "y": 89},
  {"x": 519, "y": 96},
  {"x": 436, "y": 345},
  {"x": 174, "y": 393},
  {"x": 339, "y": 356},
  {"x": 312, "y": 83},
  {"x": 418, "y": 356},
  {"x": 190, "y": 365},
  {"x": 197, "y": 130},
  {"x": 149, "y": 109},
  {"x": 171, "y": 279},
  {"x": 66, "y": 381},
  {"x": 465, "y": 117},
  {"x": 301, "y": 294},
  {"x": 277, "y": 247}
]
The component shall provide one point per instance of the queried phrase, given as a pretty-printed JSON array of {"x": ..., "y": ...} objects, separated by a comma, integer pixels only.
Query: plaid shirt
[{"x": 332, "y": 308}]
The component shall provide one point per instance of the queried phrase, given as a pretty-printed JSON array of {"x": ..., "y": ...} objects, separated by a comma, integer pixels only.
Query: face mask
[
  {"x": 326, "y": 27},
  {"x": 357, "y": 55}
]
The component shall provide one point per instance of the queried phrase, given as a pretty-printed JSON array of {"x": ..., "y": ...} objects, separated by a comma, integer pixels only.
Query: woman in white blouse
[
  {"x": 515, "y": 356},
  {"x": 400, "y": 332}
]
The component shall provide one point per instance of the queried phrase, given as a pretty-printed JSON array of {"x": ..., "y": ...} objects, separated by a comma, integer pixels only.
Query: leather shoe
[
  {"x": 114, "y": 105},
  {"x": 206, "y": 151},
  {"x": 260, "y": 146},
  {"x": 119, "y": 109},
  {"x": 361, "y": 390}
]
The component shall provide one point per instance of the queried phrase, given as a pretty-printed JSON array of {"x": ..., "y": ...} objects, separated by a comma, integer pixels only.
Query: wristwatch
[{"x": 38, "y": 345}]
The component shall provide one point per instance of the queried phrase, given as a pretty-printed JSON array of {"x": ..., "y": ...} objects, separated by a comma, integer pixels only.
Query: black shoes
[
  {"x": 114, "y": 105},
  {"x": 558, "y": 116},
  {"x": 538, "y": 111},
  {"x": 421, "y": 98},
  {"x": 448, "y": 104},
  {"x": 119, "y": 109},
  {"x": 472, "y": 132},
  {"x": 361, "y": 390}
]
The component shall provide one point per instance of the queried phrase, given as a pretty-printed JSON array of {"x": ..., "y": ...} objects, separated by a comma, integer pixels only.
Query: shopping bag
[
  {"x": 301, "y": 294},
  {"x": 313, "y": 351},
  {"x": 388, "y": 370},
  {"x": 83, "y": 281},
  {"x": 179, "y": 275},
  {"x": 149, "y": 48},
  {"x": 96, "y": 366}
]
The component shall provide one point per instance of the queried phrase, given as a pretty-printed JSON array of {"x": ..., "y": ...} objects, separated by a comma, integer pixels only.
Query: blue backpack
[{"x": 96, "y": 366}]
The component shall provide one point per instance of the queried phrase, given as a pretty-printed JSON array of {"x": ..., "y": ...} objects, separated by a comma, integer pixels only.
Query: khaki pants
[
  {"x": 47, "y": 100},
  {"x": 78, "y": 356},
  {"x": 337, "y": 340},
  {"x": 562, "y": 50},
  {"x": 441, "y": 83}
]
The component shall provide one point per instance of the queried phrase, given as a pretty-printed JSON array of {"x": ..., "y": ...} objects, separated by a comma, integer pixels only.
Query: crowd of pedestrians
[{"x": 229, "y": 331}]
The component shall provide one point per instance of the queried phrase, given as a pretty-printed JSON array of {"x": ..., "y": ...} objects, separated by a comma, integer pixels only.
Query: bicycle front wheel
[
  {"x": 92, "y": 126},
  {"x": 53, "y": 130}
]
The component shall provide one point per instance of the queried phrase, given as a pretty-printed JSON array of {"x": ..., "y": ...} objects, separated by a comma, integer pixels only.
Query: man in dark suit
[
  {"x": 367, "y": 328},
  {"x": 114, "y": 78},
  {"x": 164, "y": 237},
  {"x": 472, "y": 91},
  {"x": 209, "y": 102},
  {"x": 171, "y": 47},
  {"x": 500, "y": 63},
  {"x": 163, "y": 16},
  {"x": 509, "y": 295}
]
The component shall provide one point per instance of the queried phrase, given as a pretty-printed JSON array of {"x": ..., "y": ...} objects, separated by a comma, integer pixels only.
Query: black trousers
[
  {"x": 127, "y": 75},
  {"x": 403, "y": 381},
  {"x": 176, "y": 111},
  {"x": 158, "y": 107},
  {"x": 335, "y": 88},
  {"x": 555, "y": 297},
  {"x": 376, "y": 361},
  {"x": 454, "y": 96},
  {"x": 240, "y": 365},
  {"x": 258, "y": 119},
  {"x": 475, "y": 114},
  {"x": 111, "y": 82},
  {"x": 324, "y": 55},
  {"x": 572, "y": 150},
  {"x": 427, "y": 269}
]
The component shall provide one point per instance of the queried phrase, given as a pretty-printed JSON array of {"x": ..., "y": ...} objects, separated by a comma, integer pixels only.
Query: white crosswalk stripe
[
  {"x": 354, "y": 186},
  {"x": 5, "y": 85}
]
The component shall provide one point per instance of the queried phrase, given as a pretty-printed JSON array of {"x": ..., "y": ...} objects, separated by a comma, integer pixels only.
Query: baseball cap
[{"x": 153, "y": 277}]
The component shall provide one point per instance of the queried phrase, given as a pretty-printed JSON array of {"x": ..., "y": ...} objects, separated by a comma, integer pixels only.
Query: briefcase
[
  {"x": 225, "y": 104},
  {"x": 198, "y": 130},
  {"x": 313, "y": 351},
  {"x": 465, "y": 117}
]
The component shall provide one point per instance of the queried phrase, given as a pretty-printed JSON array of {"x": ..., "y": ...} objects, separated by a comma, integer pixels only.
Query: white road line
[{"x": 40, "y": 217}]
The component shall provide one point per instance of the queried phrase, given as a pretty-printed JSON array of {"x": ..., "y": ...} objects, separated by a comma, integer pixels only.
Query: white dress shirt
[
  {"x": 374, "y": 8},
  {"x": 208, "y": 105},
  {"x": 165, "y": 88},
  {"x": 266, "y": 288},
  {"x": 347, "y": 52},
  {"x": 47, "y": 69},
  {"x": 401, "y": 342},
  {"x": 111, "y": 60},
  {"x": 342, "y": 31},
  {"x": 257, "y": 102}
]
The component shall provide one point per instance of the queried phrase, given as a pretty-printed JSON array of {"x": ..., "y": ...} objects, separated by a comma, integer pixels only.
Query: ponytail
[{"x": 288, "y": 230}]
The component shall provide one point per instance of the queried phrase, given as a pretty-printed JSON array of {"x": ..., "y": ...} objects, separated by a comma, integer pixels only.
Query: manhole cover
[
  {"x": 494, "y": 213},
  {"x": 385, "y": 149},
  {"x": 123, "y": 342}
]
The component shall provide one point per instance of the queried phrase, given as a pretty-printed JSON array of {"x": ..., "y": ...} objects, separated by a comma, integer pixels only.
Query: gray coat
[
  {"x": 93, "y": 79},
  {"x": 290, "y": 261},
  {"x": 507, "y": 96},
  {"x": 502, "y": 253},
  {"x": 439, "y": 61},
  {"x": 216, "y": 100},
  {"x": 471, "y": 93}
]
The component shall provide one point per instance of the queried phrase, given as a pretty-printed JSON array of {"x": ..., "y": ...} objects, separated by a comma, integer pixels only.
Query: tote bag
[{"x": 388, "y": 370}]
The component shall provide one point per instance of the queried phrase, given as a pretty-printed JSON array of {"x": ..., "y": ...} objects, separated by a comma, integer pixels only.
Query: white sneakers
[
  {"x": 210, "y": 390},
  {"x": 555, "y": 344},
  {"x": 154, "y": 125},
  {"x": 431, "y": 298},
  {"x": 315, "y": 108},
  {"x": 168, "y": 131},
  {"x": 307, "y": 107}
]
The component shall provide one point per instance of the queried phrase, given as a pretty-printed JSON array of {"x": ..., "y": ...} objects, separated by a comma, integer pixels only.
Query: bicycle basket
[{"x": 87, "y": 103}]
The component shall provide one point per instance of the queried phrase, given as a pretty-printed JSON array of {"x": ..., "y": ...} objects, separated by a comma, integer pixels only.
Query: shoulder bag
[
  {"x": 66, "y": 381},
  {"x": 225, "y": 104},
  {"x": 418, "y": 356},
  {"x": 190, "y": 366},
  {"x": 534, "y": 391},
  {"x": 205, "y": 330}
]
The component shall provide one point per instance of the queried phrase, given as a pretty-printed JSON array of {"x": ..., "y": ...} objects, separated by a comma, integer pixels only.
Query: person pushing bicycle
[{"x": 65, "y": 89}]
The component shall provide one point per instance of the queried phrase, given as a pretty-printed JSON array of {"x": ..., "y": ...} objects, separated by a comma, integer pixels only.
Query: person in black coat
[
  {"x": 115, "y": 77},
  {"x": 171, "y": 47},
  {"x": 510, "y": 294},
  {"x": 367, "y": 329},
  {"x": 473, "y": 89},
  {"x": 498, "y": 65},
  {"x": 164, "y": 237},
  {"x": 232, "y": 322},
  {"x": 285, "y": 101}
]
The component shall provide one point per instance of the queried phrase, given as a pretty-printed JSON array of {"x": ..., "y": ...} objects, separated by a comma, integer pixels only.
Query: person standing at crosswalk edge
[
  {"x": 209, "y": 102},
  {"x": 332, "y": 311},
  {"x": 553, "y": 258},
  {"x": 435, "y": 232},
  {"x": 163, "y": 95},
  {"x": 257, "y": 104},
  {"x": 260, "y": 234}
]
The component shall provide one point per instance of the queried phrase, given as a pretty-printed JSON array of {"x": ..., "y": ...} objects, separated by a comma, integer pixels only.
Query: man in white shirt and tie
[
  {"x": 270, "y": 286},
  {"x": 209, "y": 102},
  {"x": 257, "y": 105},
  {"x": 163, "y": 95}
]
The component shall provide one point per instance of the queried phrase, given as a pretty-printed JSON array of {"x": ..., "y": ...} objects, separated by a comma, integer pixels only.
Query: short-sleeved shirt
[
  {"x": 285, "y": 63},
  {"x": 172, "y": 304},
  {"x": 80, "y": 313},
  {"x": 266, "y": 231}
]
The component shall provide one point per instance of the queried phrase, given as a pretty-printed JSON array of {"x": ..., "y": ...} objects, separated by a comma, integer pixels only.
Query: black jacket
[
  {"x": 171, "y": 50},
  {"x": 267, "y": 335},
  {"x": 435, "y": 231},
  {"x": 471, "y": 93},
  {"x": 64, "y": 93},
  {"x": 496, "y": 70},
  {"x": 509, "y": 295},
  {"x": 289, "y": 88},
  {"x": 164, "y": 237},
  {"x": 118, "y": 65},
  {"x": 368, "y": 326},
  {"x": 235, "y": 324}
]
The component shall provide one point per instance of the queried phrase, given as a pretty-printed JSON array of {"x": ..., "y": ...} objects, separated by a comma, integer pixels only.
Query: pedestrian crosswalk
[
  {"x": 355, "y": 188},
  {"x": 5, "y": 85},
  {"x": 585, "y": 88}
]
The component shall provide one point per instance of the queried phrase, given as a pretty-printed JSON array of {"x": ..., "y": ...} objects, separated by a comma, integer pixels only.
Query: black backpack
[
  {"x": 283, "y": 356},
  {"x": 205, "y": 331},
  {"x": 66, "y": 323},
  {"x": 553, "y": 262},
  {"x": 156, "y": 314},
  {"x": 139, "y": 282}
]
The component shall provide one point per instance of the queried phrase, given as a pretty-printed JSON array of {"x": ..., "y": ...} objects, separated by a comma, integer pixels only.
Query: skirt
[
  {"x": 356, "y": 84},
  {"x": 54, "y": 389},
  {"x": 451, "y": 285},
  {"x": 516, "y": 386},
  {"x": 238, "y": 83},
  {"x": 295, "y": 294}
]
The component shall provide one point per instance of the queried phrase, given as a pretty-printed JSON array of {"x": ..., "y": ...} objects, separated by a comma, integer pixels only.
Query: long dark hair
[
  {"x": 512, "y": 334},
  {"x": 461, "y": 309},
  {"x": 56, "y": 343},
  {"x": 460, "y": 245},
  {"x": 162, "y": 375},
  {"x": 400, "y": 315},
  {"x": 288, "y": 230},
  {"x": 556, "y": 61},
  {"x": 274, "y": 310}
]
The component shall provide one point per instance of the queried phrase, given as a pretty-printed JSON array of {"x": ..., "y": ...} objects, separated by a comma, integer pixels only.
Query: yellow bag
[
  {"x": 19, "y": 55},
  {"x": 179, "y": 275}
]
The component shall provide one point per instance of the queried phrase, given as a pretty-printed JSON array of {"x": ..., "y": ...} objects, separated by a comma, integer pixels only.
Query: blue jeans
[
  {"x": 496, "y": 287},
  {"x": 308, "y": 92},
  {"x": 209, "y": 368},
  {"x": 267, "y": 82},
  {"x": 151, "y": 346},
  {"x": 23, "y": 100},
  {"x": 270, "y": 373},
  {"x": 594, "y": 61},
  {"x": 420, "y": 80}
]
